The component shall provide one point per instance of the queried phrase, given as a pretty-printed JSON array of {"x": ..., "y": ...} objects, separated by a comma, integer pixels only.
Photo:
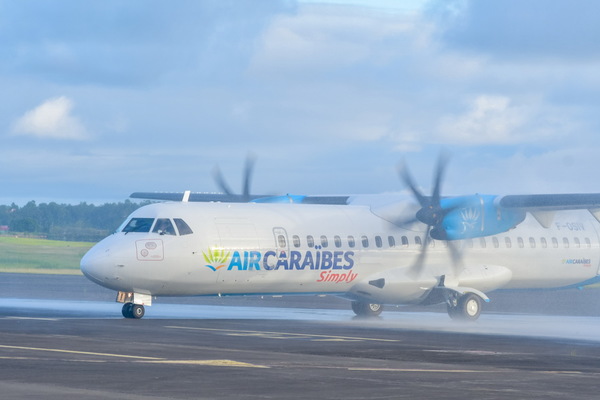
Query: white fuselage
[{"x": 253, "y": 248}]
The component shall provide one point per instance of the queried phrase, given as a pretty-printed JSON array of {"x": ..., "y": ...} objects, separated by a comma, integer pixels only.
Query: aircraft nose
[{"x": 93, "y": 264}]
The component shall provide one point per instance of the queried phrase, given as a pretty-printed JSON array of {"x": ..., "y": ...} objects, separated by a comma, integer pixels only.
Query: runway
[{"x": 63, "y": 337}]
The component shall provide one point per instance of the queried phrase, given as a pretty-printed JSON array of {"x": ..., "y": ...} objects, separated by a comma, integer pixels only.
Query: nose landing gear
[
  {"x": 134, "y": 303},
  {"x": 131, "y": 310}
]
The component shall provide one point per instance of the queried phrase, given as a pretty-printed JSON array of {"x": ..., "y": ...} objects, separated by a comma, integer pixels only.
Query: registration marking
[{"x": 283, "y": 335}]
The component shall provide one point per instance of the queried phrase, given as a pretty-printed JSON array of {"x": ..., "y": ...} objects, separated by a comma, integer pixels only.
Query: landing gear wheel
[
  {"x": 366, "y": 309},
  {"x": 466, "y": 308},
  {"x": 127, "y": 310},
  {"x": 137, "y": 311}
]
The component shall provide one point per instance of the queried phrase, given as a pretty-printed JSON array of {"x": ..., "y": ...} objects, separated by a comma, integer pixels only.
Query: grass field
[{"x": 41, "y": 256}]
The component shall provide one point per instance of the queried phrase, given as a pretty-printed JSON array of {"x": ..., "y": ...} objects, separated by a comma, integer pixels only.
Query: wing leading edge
[
  {"x": 551, "y": 202},
  {"x": 239, "y": 198}
]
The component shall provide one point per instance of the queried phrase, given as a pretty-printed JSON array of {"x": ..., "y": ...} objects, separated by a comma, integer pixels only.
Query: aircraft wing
[
  {"x": 551, "y": 202},
  {"x": 238, "y": 198}
]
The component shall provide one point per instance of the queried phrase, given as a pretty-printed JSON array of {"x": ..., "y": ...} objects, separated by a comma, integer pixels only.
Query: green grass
[{"x": 41, "y": 256}]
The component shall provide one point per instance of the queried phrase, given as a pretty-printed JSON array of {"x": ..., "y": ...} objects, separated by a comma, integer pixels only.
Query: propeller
[
  {"x": 431, "y": 214},
  {"x": 248, "y": 168}
]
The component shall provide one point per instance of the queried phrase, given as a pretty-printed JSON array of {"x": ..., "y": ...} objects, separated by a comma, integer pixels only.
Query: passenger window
[
  {"x": 588, "y": 243},
  {"x": 310, "y": 241},
  {"x": 324, "y": 242},
  {"x": 507, "y": 242},
  {"x": 532, "y": 243},
  {"x": 182, "y": 227},
  {"x": 391, "y": 241},
  {"x": 418, "y": 241},
  {"x": 351, "y": 241},
  {"x": 139, "y": 225},
  {"x": 495, "y": 242},
  {"x": 544, "y": 242},
  {"x": 577, "y": 242},
  {"x": 404, "y": 240},
  {"x": 338, "y": 241},
  {"x": 296, "y": 240},
  {"x": 378, "y": 241},
  {"x": 566, "y": 243},
  {"x": 164, "y": 227},
  {"x": 520, "y": 242},
  {"x": 555, "y": 242},
  {"x": 281, "y": 242},
  {"x": 482, "y": 243},
  {"x": 365, "y": 241}
]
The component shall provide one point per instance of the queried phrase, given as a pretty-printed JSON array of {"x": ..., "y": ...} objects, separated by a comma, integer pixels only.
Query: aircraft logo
[
  {"x": 273, "y": 260},
  {"x": 216, "y": 259},
  {"x": 470, "y": 217}
]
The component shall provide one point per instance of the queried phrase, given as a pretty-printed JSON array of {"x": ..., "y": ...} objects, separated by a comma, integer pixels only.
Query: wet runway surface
[{"x": 63, "y": 337}]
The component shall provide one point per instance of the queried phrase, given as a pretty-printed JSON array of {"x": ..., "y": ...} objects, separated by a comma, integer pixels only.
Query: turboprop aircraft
[{"x": 370, "y": 249}]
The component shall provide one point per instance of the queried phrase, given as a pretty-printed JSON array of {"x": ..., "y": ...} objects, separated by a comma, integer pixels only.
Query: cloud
[
  {"x": 521, "y": 29},
  {"x": 500, "y": 120},
  {"x": 319, "y": 39},
  {"x": 130, "y": 44},
  {"x": 53, "y": 120},
  {"x": 490, "y": 119}
]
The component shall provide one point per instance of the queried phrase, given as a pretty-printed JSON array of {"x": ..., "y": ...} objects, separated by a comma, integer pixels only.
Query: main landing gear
[
  {"x": 363, "y": 309},
  {"x": 466, "y": 307},
  {"x": 131, "y": 310}
]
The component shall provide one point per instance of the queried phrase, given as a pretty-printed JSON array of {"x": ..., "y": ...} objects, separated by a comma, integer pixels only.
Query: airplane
[{"x": 374, "y": 250}]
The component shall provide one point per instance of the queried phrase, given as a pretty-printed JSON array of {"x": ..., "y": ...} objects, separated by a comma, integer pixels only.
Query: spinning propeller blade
[
  {"x": 248, "y": 170},
  {"x": 432, "y": 214}
]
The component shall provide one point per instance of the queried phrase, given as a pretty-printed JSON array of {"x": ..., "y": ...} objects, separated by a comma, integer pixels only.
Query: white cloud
[
  {"x": 319, "y": 39},
  {"x": 490, "y": 119},
  {"x": 494, "y": 119},
  {"x": 52, "y": 119}
]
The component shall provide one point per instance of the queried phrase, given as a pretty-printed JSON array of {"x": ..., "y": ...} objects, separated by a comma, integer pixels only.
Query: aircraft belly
[
  {"x": 549, "y": 271},
  {"x": 285, "y": 281}
]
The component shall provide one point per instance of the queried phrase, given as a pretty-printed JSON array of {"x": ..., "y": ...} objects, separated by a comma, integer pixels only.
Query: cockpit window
[
  {"x": 138, "y": 225},
  {"x": 164, "y": 226},
  {"x": 184, "y": 229}
]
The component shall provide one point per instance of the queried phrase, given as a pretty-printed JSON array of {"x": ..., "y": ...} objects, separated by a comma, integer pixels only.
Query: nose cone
[
  {"x": 94, "y": 263},
  {"x": 104, "y": 263}
]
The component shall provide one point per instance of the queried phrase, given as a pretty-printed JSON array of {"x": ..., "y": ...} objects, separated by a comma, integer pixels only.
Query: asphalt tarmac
[{"x": 62, "y": 337}]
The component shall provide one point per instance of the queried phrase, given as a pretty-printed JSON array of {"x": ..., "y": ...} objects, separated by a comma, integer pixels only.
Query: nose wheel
[{"x": 134, "y": 311}]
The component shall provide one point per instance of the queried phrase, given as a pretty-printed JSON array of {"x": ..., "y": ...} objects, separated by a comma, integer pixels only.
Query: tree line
[{"x": 82, "y": 222}]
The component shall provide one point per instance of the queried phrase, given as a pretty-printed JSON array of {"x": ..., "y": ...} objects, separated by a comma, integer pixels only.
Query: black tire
[
  {"x": 137, "y": 311},
  {"x": 363, "y": 309},
  {"x": 127, "y": 310},
  {"x": 453, "y": 311},
  {"x": 468, "y": 308}
]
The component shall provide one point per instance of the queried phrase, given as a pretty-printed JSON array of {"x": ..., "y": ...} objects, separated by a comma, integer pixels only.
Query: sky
[{"x": 104, "y": 98}]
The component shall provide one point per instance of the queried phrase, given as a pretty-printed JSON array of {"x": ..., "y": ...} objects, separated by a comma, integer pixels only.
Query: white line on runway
[{"x": 283, "y": 335}]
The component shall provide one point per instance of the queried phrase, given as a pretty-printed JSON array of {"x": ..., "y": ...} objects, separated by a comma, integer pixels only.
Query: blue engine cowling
[{"x": 474, "y": 216}]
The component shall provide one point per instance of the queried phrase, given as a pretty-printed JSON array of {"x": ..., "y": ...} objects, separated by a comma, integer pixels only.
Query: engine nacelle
[{"x": 474, "y": 216}]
